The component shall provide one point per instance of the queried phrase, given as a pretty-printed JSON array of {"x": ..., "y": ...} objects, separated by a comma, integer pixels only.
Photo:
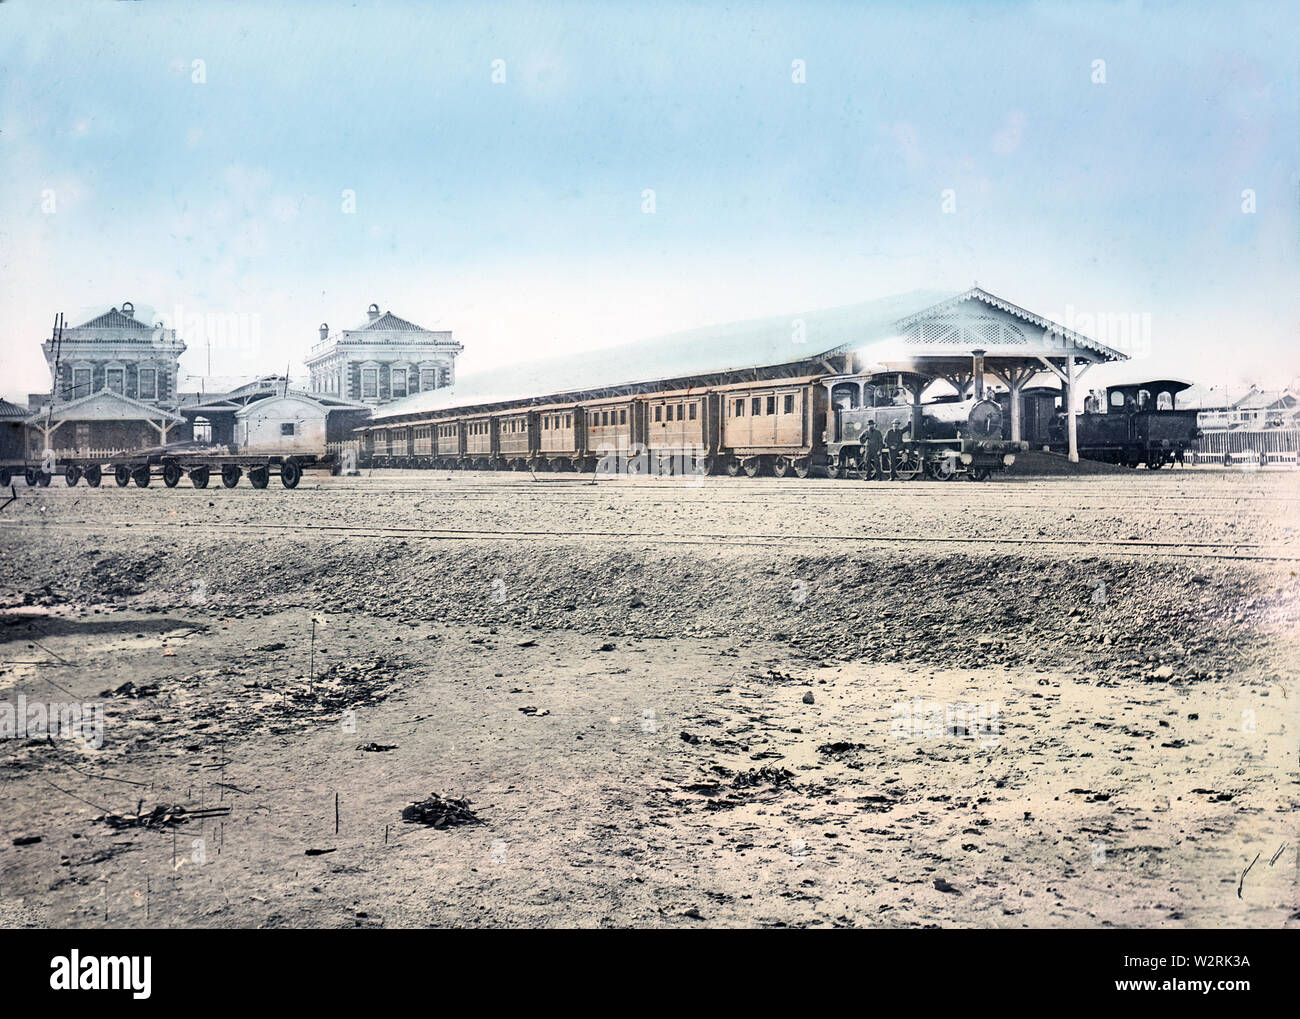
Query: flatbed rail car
[{"x": 171, "y": 466}]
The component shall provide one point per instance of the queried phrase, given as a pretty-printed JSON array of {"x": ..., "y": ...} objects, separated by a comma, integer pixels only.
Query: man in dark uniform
[
  {"x": 894, "y": 443},
  {"x": 872, "y": 442}
]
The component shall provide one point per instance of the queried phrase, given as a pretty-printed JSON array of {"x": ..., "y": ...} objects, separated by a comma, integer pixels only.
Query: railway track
[{"x": 1244, "y": 550}]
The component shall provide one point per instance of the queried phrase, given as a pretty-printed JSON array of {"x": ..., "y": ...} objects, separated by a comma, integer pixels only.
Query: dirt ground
[{"x": 1037, "y": 701}]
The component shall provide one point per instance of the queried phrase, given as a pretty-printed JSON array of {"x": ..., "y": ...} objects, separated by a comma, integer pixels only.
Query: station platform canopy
[{"x": 959, "y": 337}]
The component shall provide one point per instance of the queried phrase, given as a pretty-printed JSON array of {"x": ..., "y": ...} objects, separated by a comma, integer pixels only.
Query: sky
[{"x": 198, "y": 162}]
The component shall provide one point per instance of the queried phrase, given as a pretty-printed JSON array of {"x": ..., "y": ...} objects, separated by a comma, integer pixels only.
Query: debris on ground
[
  {"x": 376, "y": 748},
  {"x": 161, "y": 816},
  {"x": 437, "y": 812}
]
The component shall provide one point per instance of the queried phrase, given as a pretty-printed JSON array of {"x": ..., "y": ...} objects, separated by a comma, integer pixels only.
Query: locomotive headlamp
[
  {"x": 1008, "y": 459},
  {"x": 967, "y": 458}
]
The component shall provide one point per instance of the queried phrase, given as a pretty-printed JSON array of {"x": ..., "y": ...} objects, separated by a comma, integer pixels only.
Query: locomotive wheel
[
  {"x": 910, "y": 464},
  {"x": 753, "y": 467},
  {"x": 93, "y": 477},
  {"x": 733, "y": 468},
  {"x": 942, "y": 469},
  {"x": 1155, "y": 465},
  {"x": 230, "y": 475},
  {"x": 834, "y": 470},
  {"x": 29, "y": 475},
  {"x": 290, "y": 473},
  {"x": 142, "y": 476},
  {"x": 5, "y": 477},
  {"x": 71, "y": 475},
  {"x": 802, "y": 468},
  {"x": 259, "y": 476},
  {"x": 780, "y": 467},
  {"x": 171, "y": 475},
  {"x": 979, "y": 474},
  {"x": 122, "y": 475},
  {"x": 199, "y": 477},
  {"x": 43, "y": 479}
]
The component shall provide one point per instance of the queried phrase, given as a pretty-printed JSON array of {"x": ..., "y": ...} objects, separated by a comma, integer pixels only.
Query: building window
[
  {"x": 83, "y": 435},
  {"x": 148, "y": 384},
  {"x": 771, "y": 405},
  {"x": 428, "y": 378},
  {"x": 113, "y": 380},
  {"x": 399, "y": 383},
  {"x": 369, "y": 383},
  {"x": 202, "y": 430},
  {"x": 659, "y": 413},
  {"x": 286, "y": 427},
  {"x": 80, "y": 382}
]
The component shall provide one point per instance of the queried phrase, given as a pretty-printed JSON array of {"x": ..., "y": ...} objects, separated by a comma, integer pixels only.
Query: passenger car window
[
  {"x": 787, "y": 404},
  {"x": 756, "y": 406}
]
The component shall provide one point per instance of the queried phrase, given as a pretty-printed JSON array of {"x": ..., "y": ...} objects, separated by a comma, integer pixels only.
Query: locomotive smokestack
[{"x": 977, "y": 372}]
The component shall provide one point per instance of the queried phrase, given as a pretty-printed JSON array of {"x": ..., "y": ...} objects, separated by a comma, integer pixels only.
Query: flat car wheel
[
  {"x": 290, "y": 473},
  {"x": 171, "y": 475},
  {"x": 753, "y": 467},
  {"x": 29, "y": 475},
  {"x": 71, "y": 475},
  {"x": 258, "y": 476},
  {"x": 43, "y": 479},
  {"x": 230, "y": 475},
  {"x": 199, "y": 477},
  {"x": 122, "y": 475},
  {"x": 93, "y": 477},
  {"x": 142, "y": 477}
]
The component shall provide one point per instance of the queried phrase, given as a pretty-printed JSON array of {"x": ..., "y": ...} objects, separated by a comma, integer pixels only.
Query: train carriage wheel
[
  {"x": 781, "y": 466},
  {"x": 733, "y": 467},
  {"x": 290, "y": 473},
  {"x": 199, "y": 477},
  {"x": 802, "y": 468},
  {"x": 93, "y": 477},
  {"x": 230, "y": 475},
  {"x": 71, "y": 475},
  {"x": 667, "y": 466},
  {"x": 122, "y": 475},
  {"x": 171, "y": 475},
  {"x": 753, "y": 467},
  {"x": 979, "y": 474},
  {"x": 259, "y": 476},
  {"x": 142, "y": 476}
]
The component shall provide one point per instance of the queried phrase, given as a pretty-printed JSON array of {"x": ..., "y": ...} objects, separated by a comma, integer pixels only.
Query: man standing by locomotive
[
  {"x": 894, "y": 442},
  {"x": 872, "y": 442}
]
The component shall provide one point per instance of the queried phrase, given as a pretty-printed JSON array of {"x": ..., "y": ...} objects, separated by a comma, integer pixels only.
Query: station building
[{"x": 382, "y": 360}]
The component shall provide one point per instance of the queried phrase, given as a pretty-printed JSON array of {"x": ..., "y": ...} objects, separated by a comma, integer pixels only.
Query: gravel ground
[{"x": 1031, "y": 702}]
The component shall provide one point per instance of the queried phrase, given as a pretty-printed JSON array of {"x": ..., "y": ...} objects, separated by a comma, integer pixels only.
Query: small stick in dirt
[
  {"x": 1244, "y": 873},
  {"x": 312, "y": 680},
  {"x": 336, "y": 813}
]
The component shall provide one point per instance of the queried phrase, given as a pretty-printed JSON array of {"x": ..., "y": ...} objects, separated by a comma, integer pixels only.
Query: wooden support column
[{"x": 1014, "y": 378}]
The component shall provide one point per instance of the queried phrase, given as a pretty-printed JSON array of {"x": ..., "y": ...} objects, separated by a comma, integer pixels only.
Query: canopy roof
[
  {"x": 104, "y": 406},
  {"x": 929, "y": 331}
]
